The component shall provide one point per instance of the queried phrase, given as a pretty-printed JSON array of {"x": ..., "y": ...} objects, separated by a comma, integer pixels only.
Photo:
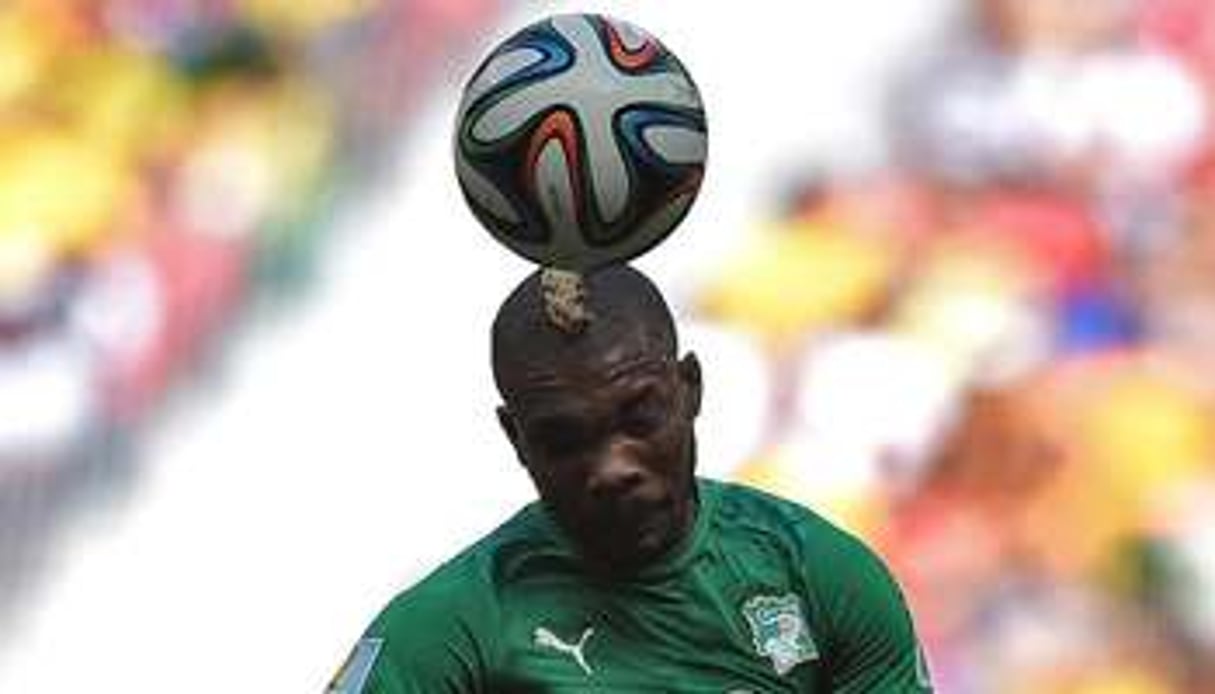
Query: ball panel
[
  {"x": 608, "y": 174},
  {"x": 631, "y": 51},
  {"x": 482, "y": 193},
  {"x": 502, "y": 66},
  {"x": 536, "y": 54},
  {"x": 633, "y": 39},
  {"x": 676, "y": 145},
  {"x": 652, "y": 230},
  {"x": 554, "y": 167},
  {"x": 509, "y": 165},
  {"x": 636, "y": 124},
  {"x": 510, "y": 111}
]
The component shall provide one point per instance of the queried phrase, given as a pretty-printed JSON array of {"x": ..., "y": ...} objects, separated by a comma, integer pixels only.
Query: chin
[
  {"x": 653, "y": 540},
  {"x": 625, "y": 551}
]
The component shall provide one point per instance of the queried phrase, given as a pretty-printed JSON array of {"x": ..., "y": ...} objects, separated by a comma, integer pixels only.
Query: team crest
[{"x": 779, "y": 630}]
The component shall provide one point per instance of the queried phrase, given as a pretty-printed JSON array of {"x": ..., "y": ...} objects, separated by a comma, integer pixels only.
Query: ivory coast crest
[{"x": 779, "y": 630}]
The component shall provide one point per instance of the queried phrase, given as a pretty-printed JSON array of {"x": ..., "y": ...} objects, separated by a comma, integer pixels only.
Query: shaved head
[
  {"x": 602, "y": 416},
  {"x": 624, "y": 306}
]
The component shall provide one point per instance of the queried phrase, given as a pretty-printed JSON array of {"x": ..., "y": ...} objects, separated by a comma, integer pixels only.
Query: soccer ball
[{"x": 580, "y": 141}]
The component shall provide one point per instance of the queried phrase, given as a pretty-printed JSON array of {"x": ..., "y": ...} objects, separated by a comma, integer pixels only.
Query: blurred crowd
[
  {"x": 167, "y": 166},
  {"x": 992, "y": 355}
]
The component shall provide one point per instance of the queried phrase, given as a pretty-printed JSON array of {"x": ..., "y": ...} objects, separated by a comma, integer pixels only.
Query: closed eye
[
  {"x": 644, "y": 414},
  {"x": 558, "y": 437}
]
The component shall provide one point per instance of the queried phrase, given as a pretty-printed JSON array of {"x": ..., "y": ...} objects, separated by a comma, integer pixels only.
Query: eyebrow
[
  {"x": 551, "y": 420},
  {"x": 642, "y": 364},
  {"x": 547, "y": 425}
]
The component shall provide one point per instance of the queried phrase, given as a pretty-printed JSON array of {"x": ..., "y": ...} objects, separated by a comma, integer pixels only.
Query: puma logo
[{"x": 546, "y": 639}]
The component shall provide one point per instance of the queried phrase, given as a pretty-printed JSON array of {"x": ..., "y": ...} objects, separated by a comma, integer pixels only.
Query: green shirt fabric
[{"x": 762, "y": 596}]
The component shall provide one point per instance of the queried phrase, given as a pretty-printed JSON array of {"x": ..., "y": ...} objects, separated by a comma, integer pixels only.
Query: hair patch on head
[{"x": 564, "y": 295}]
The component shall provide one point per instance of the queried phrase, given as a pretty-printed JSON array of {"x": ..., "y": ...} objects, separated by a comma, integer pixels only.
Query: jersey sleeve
[
  {"x": 430, "y": 640},
  {"x": 874, "y": 647}
]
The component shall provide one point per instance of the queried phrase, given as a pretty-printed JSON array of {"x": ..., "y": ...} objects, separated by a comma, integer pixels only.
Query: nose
[{"x": 617, "y": 472}]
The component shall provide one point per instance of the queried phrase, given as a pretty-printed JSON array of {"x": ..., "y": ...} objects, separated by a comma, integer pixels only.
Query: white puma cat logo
[{"x": 546, "y": 639}]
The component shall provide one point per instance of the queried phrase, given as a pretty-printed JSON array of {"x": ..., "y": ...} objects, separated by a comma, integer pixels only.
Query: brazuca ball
[{"x": 580, "y": 141}]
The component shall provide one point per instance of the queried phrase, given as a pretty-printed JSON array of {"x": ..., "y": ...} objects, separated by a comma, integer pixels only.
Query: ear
[
  {"x": 507, "y": 421},
  {"x": 689, "y": 376}
]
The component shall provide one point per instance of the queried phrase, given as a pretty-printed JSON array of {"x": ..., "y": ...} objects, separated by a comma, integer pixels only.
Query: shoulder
[
  {"x": 464, "y": 590},
  {"x": 442, "y": 633},
  {"x": 837, "y": 567},
  {"x": 870, "y": 638},
  {"x": 735, "y": 499},
  {"x": 743, "y": 510}
]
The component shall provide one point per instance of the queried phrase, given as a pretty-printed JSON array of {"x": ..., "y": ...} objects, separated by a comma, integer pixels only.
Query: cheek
[
  {"x": 544, "y": 475},
  {"x": 558, "y": 481},
  {"x": 670, "y": 451}
]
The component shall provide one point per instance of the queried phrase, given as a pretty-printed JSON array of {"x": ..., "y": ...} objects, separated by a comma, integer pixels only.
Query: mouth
[
  {"x": 632, "y": 528},
  {"x": 633, "y": 514}
]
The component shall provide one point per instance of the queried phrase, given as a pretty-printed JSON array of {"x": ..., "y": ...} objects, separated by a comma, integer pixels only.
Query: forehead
[{"x": 586, "y": 382}]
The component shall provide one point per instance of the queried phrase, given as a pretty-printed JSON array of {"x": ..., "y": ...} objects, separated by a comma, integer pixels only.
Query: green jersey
[{"x": 762, "y": 596}]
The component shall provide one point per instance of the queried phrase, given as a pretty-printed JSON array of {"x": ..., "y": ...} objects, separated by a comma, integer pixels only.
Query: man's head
[{"x": 602, "y": 419}]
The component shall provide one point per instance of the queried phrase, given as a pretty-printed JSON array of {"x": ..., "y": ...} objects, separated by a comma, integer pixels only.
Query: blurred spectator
[
  {"x": 1049, "y": 91},
  {"x": 1005, "y": 378}
]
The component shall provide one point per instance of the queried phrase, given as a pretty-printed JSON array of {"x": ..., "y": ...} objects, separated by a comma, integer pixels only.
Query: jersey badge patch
[
  {"x": 922, "y": 678},
  {"x": 779, "y": 630},
  {"x": 355, "y": 671}
]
